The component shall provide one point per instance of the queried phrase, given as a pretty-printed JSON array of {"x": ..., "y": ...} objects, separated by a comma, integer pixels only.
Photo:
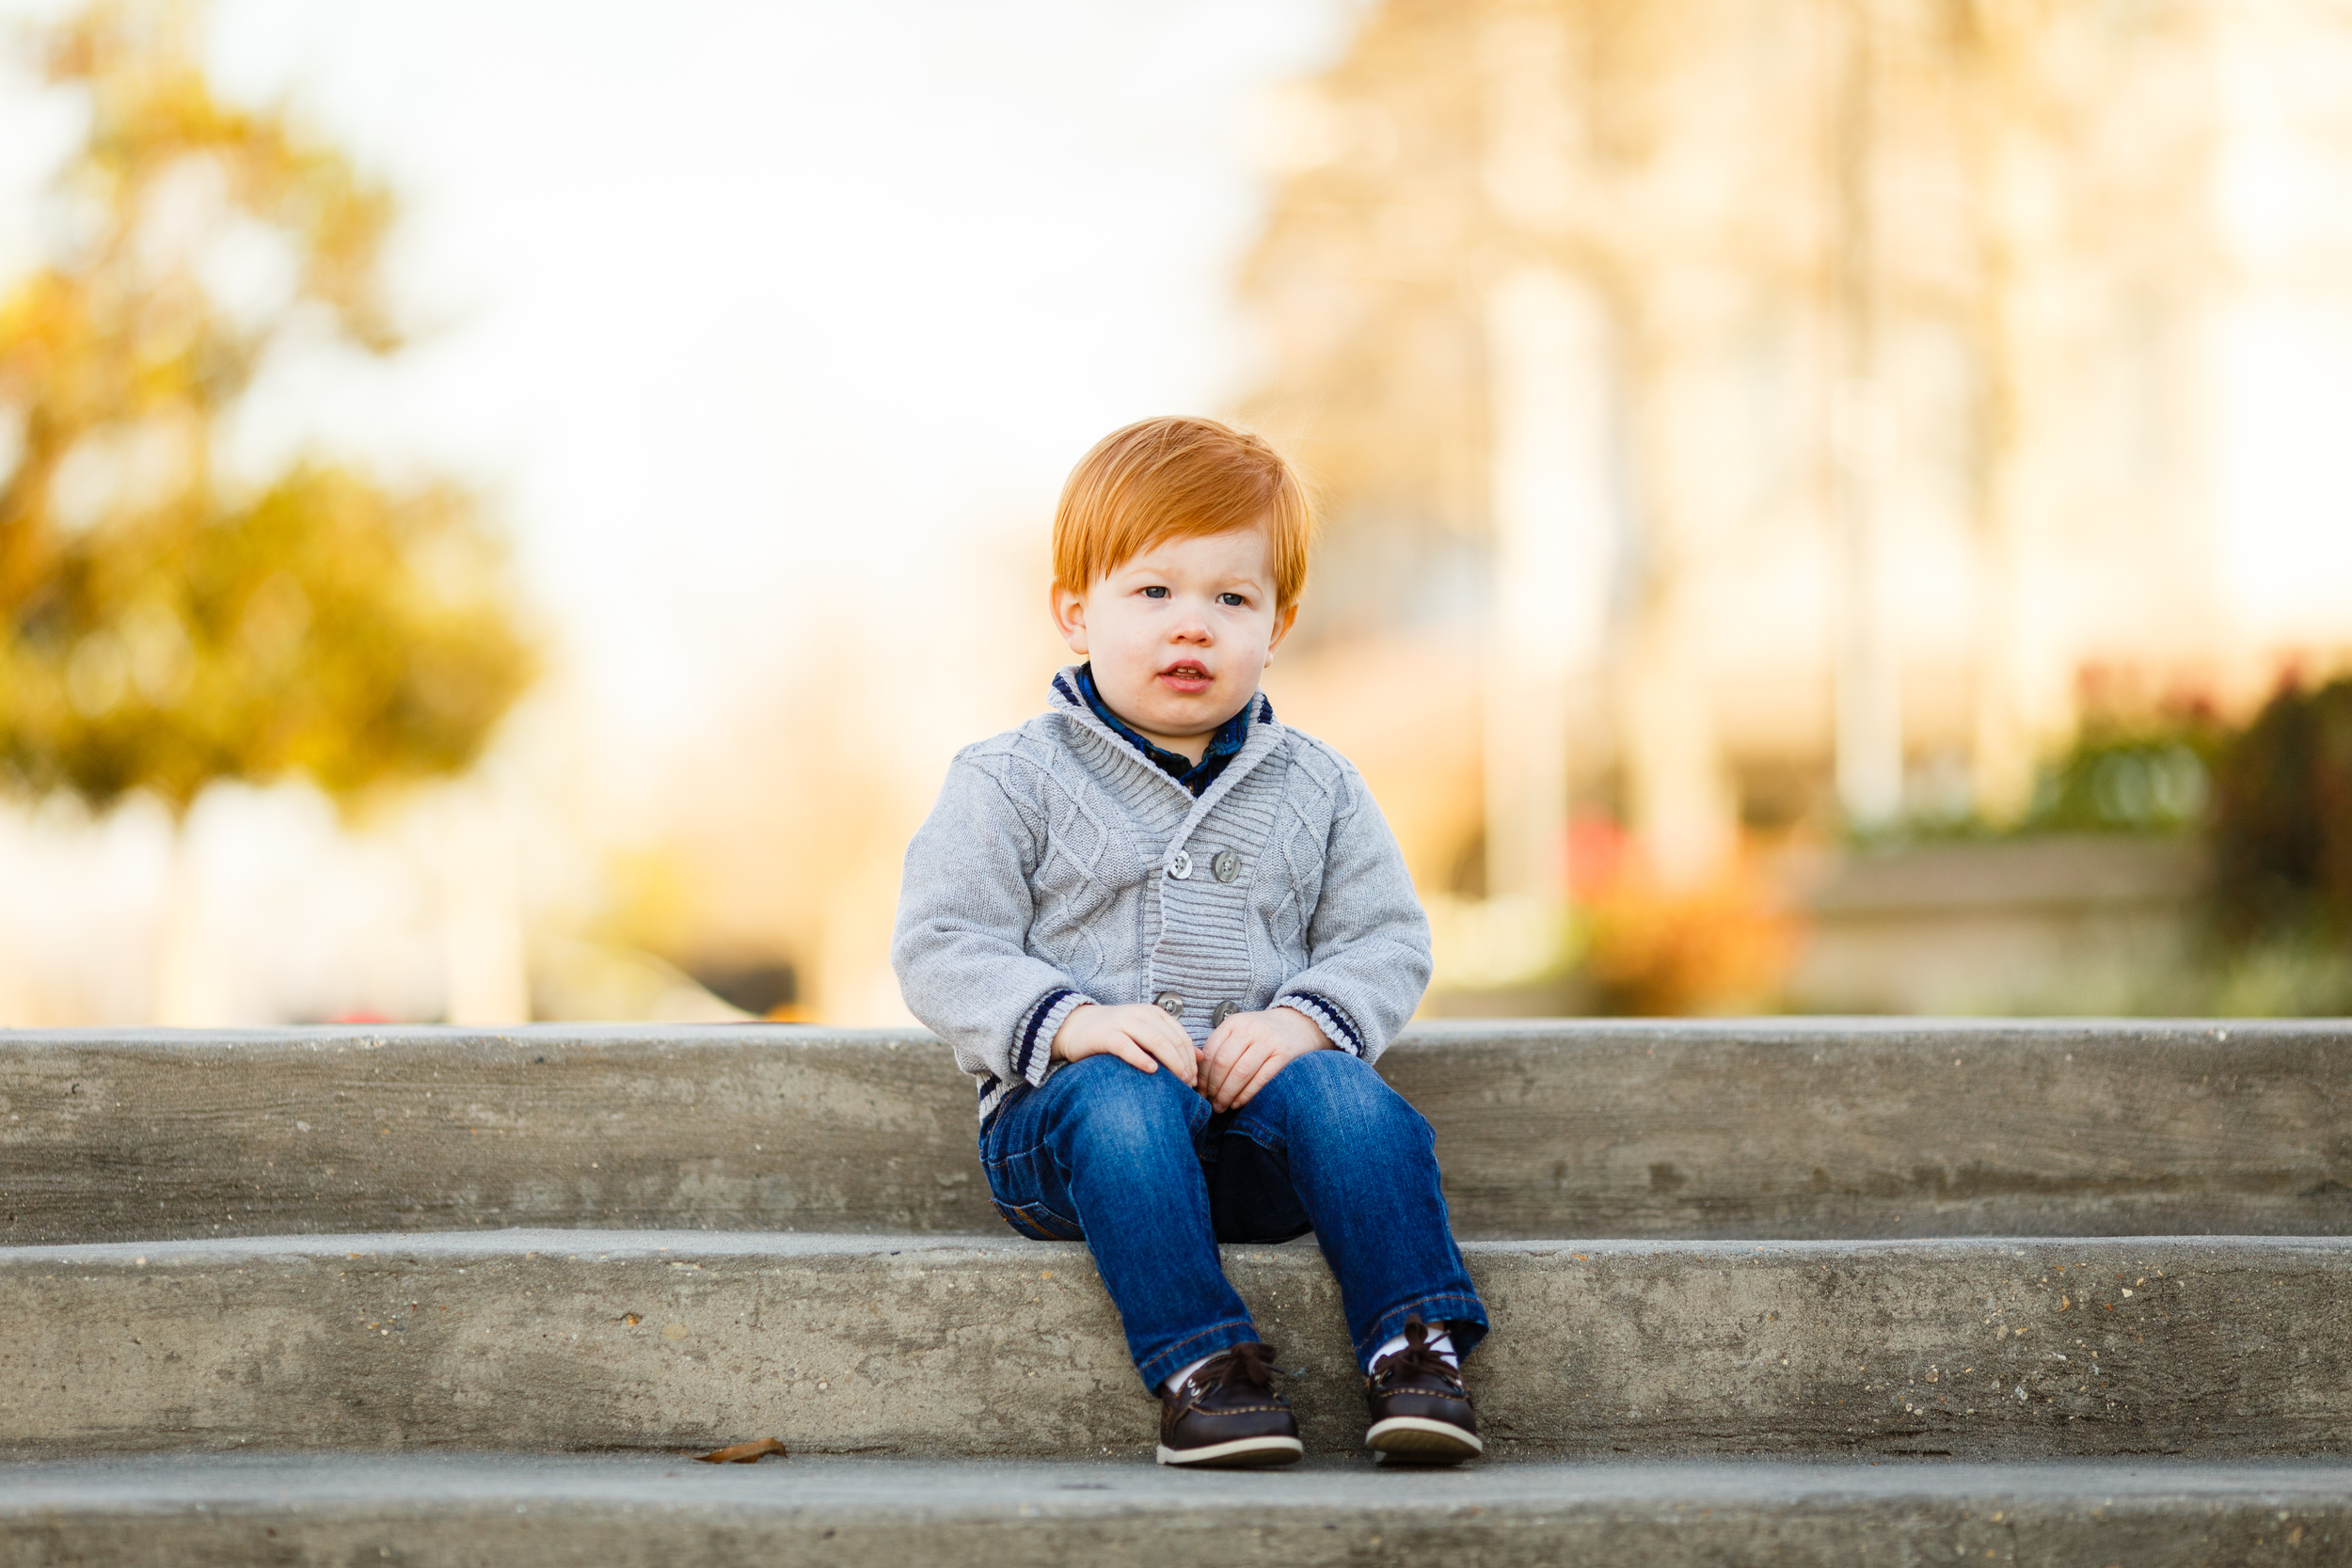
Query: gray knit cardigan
[{"x": 1061, "y": 866}]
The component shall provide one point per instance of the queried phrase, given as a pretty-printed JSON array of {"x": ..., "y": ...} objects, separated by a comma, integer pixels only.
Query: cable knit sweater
[{"x": 1061, "y": 866}]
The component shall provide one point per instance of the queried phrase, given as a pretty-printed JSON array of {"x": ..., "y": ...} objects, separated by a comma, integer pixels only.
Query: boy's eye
[
  {"x": 1155, "y": 593},
  {"x": 1231, "y": 598}
]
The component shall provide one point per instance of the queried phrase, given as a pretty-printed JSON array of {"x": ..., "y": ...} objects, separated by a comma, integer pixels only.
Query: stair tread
[
  {"x": 1085, "y": 1486},
  {"x": 521, "y": 1240},
  {"x": 451, "y": 1508}
]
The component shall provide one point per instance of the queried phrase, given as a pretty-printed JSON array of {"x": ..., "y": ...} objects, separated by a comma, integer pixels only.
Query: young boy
[{"x": 1169, "y": 937}]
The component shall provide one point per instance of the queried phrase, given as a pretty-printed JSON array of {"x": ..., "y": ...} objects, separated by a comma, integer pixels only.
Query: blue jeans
[{"x": 1136, "y": 1166}]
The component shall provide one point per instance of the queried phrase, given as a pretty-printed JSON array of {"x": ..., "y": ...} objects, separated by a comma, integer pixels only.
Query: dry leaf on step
[{"x": 745, "y": 1453}]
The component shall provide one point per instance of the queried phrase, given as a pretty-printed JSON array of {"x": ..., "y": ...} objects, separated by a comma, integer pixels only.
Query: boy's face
[{"x": 1179, "y": 634}]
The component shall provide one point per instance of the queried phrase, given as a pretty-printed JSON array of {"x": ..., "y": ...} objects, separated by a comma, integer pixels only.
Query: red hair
[{"x": 1179, "y": 478}]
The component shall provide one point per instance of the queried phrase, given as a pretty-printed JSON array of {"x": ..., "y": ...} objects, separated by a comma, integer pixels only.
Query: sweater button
[
  {"x": 1169, "y": 1002},
  {"x": 1180, "y": 865},
  {"x": 1226, "y": 866},
  {"x": 1225, "y": 1008}
]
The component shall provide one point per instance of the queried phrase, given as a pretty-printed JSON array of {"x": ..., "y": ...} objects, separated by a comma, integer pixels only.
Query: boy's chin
[
  {"x": 1187, "y": 713},
  {"x": 1171, "y": 724}
]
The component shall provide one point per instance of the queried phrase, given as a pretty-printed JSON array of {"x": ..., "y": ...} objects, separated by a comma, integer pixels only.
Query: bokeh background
[{"x": 506, "y": 511}]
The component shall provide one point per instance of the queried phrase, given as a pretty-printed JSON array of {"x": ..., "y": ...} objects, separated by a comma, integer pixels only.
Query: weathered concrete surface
[
  {"x": 473, "y": 1509},
  {"x": 1780, "y": 1127},
  {"x": 574, "y": 1340}
]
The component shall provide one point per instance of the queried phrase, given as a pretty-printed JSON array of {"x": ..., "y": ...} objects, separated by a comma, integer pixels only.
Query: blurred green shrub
[
  {"x": 2281, "y": 826},
  {"x": 2131, "y": 768}
]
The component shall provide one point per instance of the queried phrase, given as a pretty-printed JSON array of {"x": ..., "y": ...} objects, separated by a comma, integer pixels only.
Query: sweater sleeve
[
  {"x": 1367, "y": 941},
  {"x": 961, "y": 948}
]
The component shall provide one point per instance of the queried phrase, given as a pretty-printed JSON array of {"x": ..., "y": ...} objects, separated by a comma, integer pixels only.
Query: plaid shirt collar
[{"x": 1195, "y": 776}]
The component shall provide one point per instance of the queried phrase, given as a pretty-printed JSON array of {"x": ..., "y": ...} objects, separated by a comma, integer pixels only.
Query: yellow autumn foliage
[{"x": 159, "y": 627}]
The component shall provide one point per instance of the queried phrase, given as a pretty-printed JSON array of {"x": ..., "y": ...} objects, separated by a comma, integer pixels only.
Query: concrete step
[
  {"x": 1771, "y": 1128},
  {"x": 567, "y": 1341},
  {"x": 472, "y": 1509}
]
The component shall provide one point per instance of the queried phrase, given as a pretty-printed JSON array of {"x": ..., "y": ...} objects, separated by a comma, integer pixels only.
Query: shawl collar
[{"x": 1265, "y": 734}]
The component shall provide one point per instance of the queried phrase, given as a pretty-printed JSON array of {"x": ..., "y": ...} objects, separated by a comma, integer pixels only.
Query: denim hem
[
  {"x": 1237, "y": 1331},
  {"x": 1465, "y": 1312}
]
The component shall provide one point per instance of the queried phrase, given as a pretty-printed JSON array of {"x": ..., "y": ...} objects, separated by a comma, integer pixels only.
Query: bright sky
[{"x": 731, "y": 297}]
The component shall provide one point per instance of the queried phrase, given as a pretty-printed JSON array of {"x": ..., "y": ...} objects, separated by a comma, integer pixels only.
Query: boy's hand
[
  {"x": 1139, "y": 1035},
  {"x": 1247, "y": 1049}
]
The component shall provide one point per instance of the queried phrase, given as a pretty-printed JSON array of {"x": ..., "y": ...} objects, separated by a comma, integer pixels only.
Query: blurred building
[{"x": 1790, "y": 403}]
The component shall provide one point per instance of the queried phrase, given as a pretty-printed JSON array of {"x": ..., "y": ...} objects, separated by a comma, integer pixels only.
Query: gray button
[
  {"x": 1225, "y": 1008},
  {"x": 1180, "y": 865},
  {"x": 1226, "y": 866},
  {"x": 1169, "y": 1002}
]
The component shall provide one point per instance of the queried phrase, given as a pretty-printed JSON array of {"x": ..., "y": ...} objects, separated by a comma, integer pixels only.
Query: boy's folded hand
[
  {"x": 1139, "y": 1035},
  {"x": 1247, "y": 1049}
]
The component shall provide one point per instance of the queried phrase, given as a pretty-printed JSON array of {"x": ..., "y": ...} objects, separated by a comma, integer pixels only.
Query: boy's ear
[
  {"x": 1069, "y": 618},
  {"x": 1282, "y": 619}
]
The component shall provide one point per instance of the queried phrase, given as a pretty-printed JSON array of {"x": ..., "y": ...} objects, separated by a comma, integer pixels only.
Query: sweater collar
[{"x": 1075, "y": 687}]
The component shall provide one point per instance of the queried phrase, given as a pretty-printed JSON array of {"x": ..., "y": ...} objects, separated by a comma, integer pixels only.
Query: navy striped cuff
[
  {"x": 1033, "y": 1039},
  {"x": 1328, "y": 1016}
]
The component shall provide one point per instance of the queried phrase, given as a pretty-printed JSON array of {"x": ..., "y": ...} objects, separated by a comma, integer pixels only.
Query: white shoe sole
[
  {"x": 1421, "y": 1440},
  {"x": 1239, "y": 1454}
]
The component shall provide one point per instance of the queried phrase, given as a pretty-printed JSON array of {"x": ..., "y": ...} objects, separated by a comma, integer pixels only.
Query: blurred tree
[
  {"x": 1912, "y": 300},
  {"x": 1520, "y": 254},
  {"x": 161, "y": 629}
]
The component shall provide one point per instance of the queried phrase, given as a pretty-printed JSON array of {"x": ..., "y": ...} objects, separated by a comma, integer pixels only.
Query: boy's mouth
[{"x": 1185, "y": 675}]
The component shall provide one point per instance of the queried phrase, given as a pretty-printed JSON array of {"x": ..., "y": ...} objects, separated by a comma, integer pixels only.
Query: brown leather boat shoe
[
  {"x": 1420, "y": 1413},
  {"x": 1227, "y": 1415}
]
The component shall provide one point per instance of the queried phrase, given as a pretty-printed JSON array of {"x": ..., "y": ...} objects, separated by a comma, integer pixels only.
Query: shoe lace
[
  {"x": 1250, "y": 1363},
  {"x": 1416, "y": 1359}
]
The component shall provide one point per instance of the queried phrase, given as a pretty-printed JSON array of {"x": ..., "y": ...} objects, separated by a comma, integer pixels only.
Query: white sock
[
  {"x": 1183, "y": 1373},
  {"x": 1440, "y": 1341}
]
